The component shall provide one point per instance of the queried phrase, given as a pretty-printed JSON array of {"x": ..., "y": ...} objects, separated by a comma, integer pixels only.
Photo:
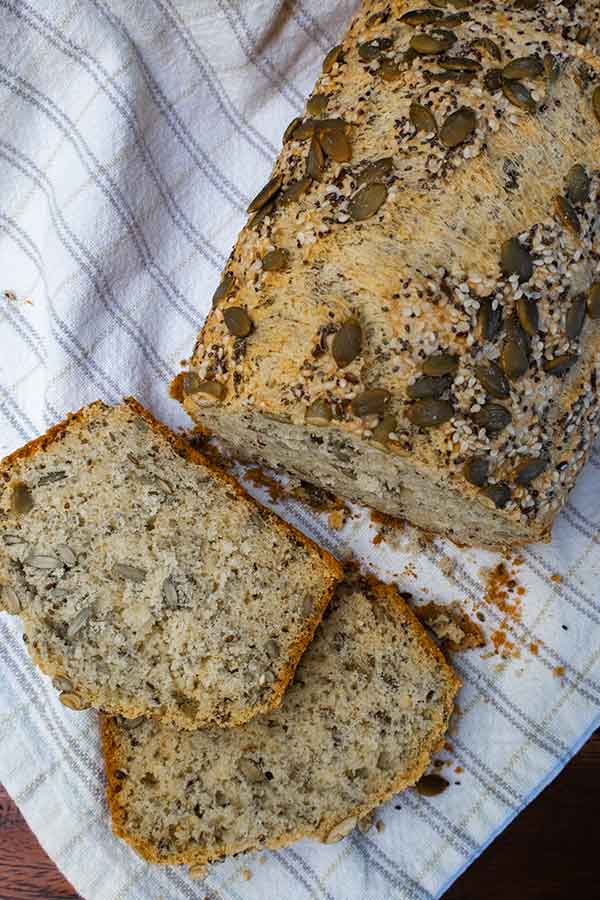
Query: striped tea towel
[{"x": 133, "y": 134}]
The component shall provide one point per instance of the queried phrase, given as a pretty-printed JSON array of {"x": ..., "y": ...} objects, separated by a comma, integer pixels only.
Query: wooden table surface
[{"x": 548, "y": 853}]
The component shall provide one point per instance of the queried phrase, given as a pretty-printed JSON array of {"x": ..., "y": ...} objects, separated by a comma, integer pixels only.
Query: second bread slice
[{"x": 147, "y": 580}]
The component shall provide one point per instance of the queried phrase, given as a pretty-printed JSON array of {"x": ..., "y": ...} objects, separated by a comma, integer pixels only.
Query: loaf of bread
[
  {"x": 410, "y": 317},
  {"x": 148, "y": 582},
  {"x": 369, "y": 704}
]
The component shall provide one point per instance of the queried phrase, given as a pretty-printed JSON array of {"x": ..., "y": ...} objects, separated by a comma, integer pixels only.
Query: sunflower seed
[
  {"x": 560, "y": 365},
  {"x": 430, "y": 413},
  {"x": 169, "y": 593},
  {"x": 516, "y": 260},
  {"x": 129, "y": 573},
  {"x": 389, "y": 71},
  {"x": 382, "y": 431},
  {"x": 370, "y": 50},
  {"x": 12, "y": 539},
  {"x": 79, "y": 622},
  {"x": 318, "y": 413},
  {"x": 529, "y": 470},
  {"x": 476, "y": 470},
  {"x": 422, "y": 117},
  {"x": 367, "y": 201},
  {"x": 528, "y": 315},
  {"x": 275, "y": 261},
  {"x": 66, "y": 555},
  {"x": 375, "y": 171},
  {"x": 347, "y": 342},
  {"x": 294, "y": 191},
  {"x": 514, "y": 359},
  {"x": 315, "y": 163},
  {"x": 267, "y": 193},
  {"x": 489, "y": 320},
  {"x": 370, "y": 403},
  {"x": 259, "y": 217},
  {"x": 52, "y": 477},
  {"x": 551, "y": 67},
  {"x": 9, "y": 600},
  {"x": 596, "y": 103},
  {"x": 456, "y": 19},
  {"x": 317, "y": 104},
  {"x": 460, "y": 64},
  {"x": 493, "y": 417},
  {"x": 288, "y": 134},
  {"x": 458, "y": 127},
  {"x": 341, "y": 831},
  {"x": 523, "y": 67},
  {"x": 21, "y": 500},
  {"x": 272, "y": 648},
  {"x": 42, "y": 561},
  {"x": 593, "y": 301},
  {"x": 427, "y": 387},
  {"x": 250, "y": 771},
  {"x": 488, "y": 46},
  {"x": 499, "y": 494},
  {"x": 73, "y": 701},
  {"x": 62, "y": 683},
  {"x": 335, "y": 144},
  {"x": 431, "y": 785},
  {"x": 493, "y": 380},
  {"x": 225, "y": 289},
  {"x": 429, "y": 45},
  {"x": 567, "y": 214},
  {"x": 421, "y": 17},
  {"x": 334, "y": 55},
  {"x": 440, "y": 364},
  {"x": 578, "y": 184},
  {"x": 492, "y": 80},
  {"x": 519, "y": 95},
  {"x": 237, "y": 321},
  {"x": 385, "y": 761},
  {"x": 575, "y": 317},
  {"x": 454, "y": 77},
  {"x": 583, "y": 34}
]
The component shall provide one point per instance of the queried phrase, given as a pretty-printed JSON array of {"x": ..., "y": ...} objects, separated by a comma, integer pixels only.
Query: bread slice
[
  {"x": 369, "y": 704},
  {"x": 147, "y": 580}
]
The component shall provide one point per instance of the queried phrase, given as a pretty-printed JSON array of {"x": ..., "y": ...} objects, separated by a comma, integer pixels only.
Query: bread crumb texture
[
  {"x": 148, "y": 582},
  {"x": 369, "y": 704}
]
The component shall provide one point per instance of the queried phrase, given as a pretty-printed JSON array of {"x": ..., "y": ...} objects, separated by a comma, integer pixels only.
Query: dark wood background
[{"x": 548, "y": 853}]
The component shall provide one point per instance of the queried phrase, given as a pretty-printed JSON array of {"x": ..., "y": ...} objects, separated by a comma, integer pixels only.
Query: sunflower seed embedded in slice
[
  {"x": 429, "y": 44},
  {"x": 455, "y": 19},
  {"x": 427, "y": 387},
  {"x": 529, "y": 469},
  {"x": 288, "y": 134},
  {"x": 567, "y": 214},
  {"x": 383, "y": 429},
  {"x": 315, "y": 163},
  {"x": 514, "y": 359},
  {"x": 489, "y": 47},
  {"x": 42, "y": 561},
  {"x": 130, "y": 573},
  {"x": 417, "y": 17},
  {"x": 347, "y": 343},
  {"x": 499, "y": 494},
  {"x": 237, "y": 321},
  {"x": 9, "y": 600},
  {"x": 578, "y": 184},
  {"x": 476, "y": 470},
  {"x": 73, "y": 701},
  {"x": 79, "y": 622},
  {"x": 317, "y": 104},
  {"x": 529, "y": 316},
  {"x": 375, "y": 171},
  {"x": 276, "y": 260},
  {"x": 519, "y": 95},
  {"x": 294, "y": 191},
  {"x": 370, "y": 403},
  {"x": 318, "y": 413},
  {"x": 225, "y": 289},
  {"x": 596, "y": 103},
  {"x": 583, "y": 34},
  {"x": 516, "y": 260},
  {"x": 440, "y": 364},
  {"x": 489, "y": 319},
  {"x": 341, "y": 831},
  {"x": 65, "y": 554},
  {"x": 560, "y": 365},
  {"x": 52, "y": 477},
  {"x": 267, "y": 193},
  {"x": 593, "y": 301},
  {"x": 367, "y": 201},
  {"x": 62, "y": 683},
  {"x": 492, "y": 417},
  {"x": 430, "y": 413},
  {"x": 575, "y": 317},
  {"x": 523, "y": 67},
  {"x": 460, "y": 64},
  {"x": 169, "y": 592},
  {"x": 21, "y": 499},
  {"x": 12, "y": 539},
  {"x": 493, "y": 380},
  {"x": 422, "y": 117},
  {"x": 551, "y": 67},
  {"x": 333, "y": 56},
  {"x": 250, "y": 770},
  {"x": 459, "y": 126}
]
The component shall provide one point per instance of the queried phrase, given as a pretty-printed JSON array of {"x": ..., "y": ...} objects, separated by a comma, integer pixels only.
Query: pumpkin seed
[
  {"x": 73, "y": 701},
  {"x": 429, "y": 45},
  {"x": 367, "y": 201},
  {"x": 493, "y": 417},
  {"x": 21, "y": 499},
  {"x": 489, "y": 320},
  {"x": 596, "y": 102},
  {"x": 370, "y": 50},
  {"x": 567, "y": 214},
  {"x": 66, "y": 555},
  {"x": 250, "y": 771},
  {"x": 378, "y": 18},
  {"x": 341, "y": 831},
  {"x": 514, "y": 332},
  {"x": 390, "y": 71},
  {"x": 375, "y": 171},
  {"x": 10, "y": 601},
  {"x": 79, "y": 622},
  {"x": 42, "y": 561},
  {"x": 523, "y": 67},
  {"x": 493, "y": 81},
  {"x": 317, "y": 104},
  {"x": 493, "y": 380},
  {"x": 422, "y": 117},
  {"x": 335, "y": 144},
  {"x": 305, "y": 130},
  {"x": 488, "y": 46},
  {"x": 347, "y": 343},
  {"x": 526, "y": 4},
  {"x": 421, "y": 17},
  {"x": 499, "y": 494},
  {"x": 575, "y": 317},
  {"x": 334, "y": 55},
  {"x": 259, "y": 217},
  {"x": 516, "y": 260},
  {"x": 169, "y": 593},
  {"x": 288, "y": 134},
  {"x": 272, "y": 648},
  {"x": 318, "y": 413},
  {"x": 593, "y": 301},
  {"x": 578, "y": 184},
  {"x": 328, "y": 124},
  {"x": 237, "y": 321},
  {"x": 11, "y": 539},
  {"x": 454, "y": 77},
  {"x": 431, "y": 785},
  {"x": 315, "y": 164},
  {"x": 210, "y": 391},
  {"x": 52, "y": 477},
  {"x": 528, "y": 315},
  {"x": 430, "y": 413},
  {"x": 560, "y": 365},
  {"x": 529, "y": 470},
  {"x": 456, "y": 19},
  {"x": 275, "y": 261},
  {"x": 440, "y": 364},
  {"x": 583, "y": 34},
  {"x": 267, "y": 193},
  {"x": 458, "y": 127},
  {"x": 225, "y": 289},
  {"x": 426, "y": 386},
  {"x": 514, "y": 359},
  {"x": 129, "y": 573},
  {"x": 551, "y": 67},
  {"x": 370, "y": 403},
  {"x": 460, "y": 64},
  {"x": 62, "y": 683},
  {"x": 519, "y": 95},
  {"x": 191, "y": 383},
  {"x": 476, "y": 470},
  {"x": 294, "y": 191},
  {"x": 382, "y": 431}
]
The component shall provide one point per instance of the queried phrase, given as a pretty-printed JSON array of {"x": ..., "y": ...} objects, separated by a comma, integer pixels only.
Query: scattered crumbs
[
  {"x": 518, "y": 561},
  {"x": 259, "y": 478},
  {"x": 556, "y": 577},
  {"x": 409, "y": 571},
  {"x": 246, "y": 874},
  {"x": 176, "y": 387},
  {"x": 365, "y": 823},
  {"x": 439, "y": 763},
  {"x": 565, "y": 627},
  {"x": 448, "y": 747},
  {"x": 533, "y": 647},
  {"x": 377, "y": 538},
  {"x": 337, "y": 518},
  {"x": 480, "y": 616},
  {"x": 458, "y": 770},
  {"x": 9, "y": 295},
  {"x": 184, "y": 362},
  {"x": 379, "y": 825},
  {"x": 559, "y": 671},
  {"x": 451, "y": 625},
  {"x": 262, "y": 860},
  {"x": 397, "y": 807},
  {"x": 504, "y": 593},
  {"x": 388, "y": 527}
]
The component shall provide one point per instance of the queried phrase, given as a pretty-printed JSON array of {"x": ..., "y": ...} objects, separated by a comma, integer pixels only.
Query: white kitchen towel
[{"x": 133, "y": 134}]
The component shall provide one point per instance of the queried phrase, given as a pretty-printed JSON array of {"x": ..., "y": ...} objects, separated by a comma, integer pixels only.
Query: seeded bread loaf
[
  {"x": 147, "y": 580},
  {"x": 369, "y": 703},
  {"x": 410, "y": 317}
]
